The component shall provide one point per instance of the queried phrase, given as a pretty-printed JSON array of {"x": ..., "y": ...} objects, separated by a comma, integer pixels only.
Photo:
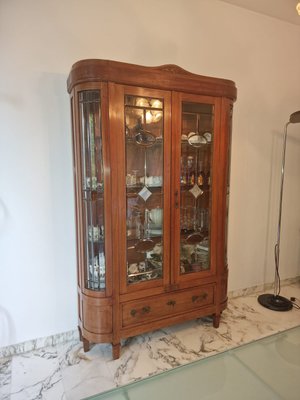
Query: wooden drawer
[{"x": 136, "y": 312}]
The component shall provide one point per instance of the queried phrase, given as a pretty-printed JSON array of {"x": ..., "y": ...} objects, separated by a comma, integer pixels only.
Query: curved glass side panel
[
  {"x": 228, "y": 183},
  {"x": 144, "y": 188},
  {"x": 92, "y": 188},
  {"x": 195, "y": 186}
]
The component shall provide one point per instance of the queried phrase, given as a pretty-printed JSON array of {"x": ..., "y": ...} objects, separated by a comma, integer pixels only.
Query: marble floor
[
  {"x": 65, "y": 372},
  {"x": 266, "y": 369}
]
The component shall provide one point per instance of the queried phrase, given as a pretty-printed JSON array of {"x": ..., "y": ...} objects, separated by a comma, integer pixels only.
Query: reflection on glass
[
  {"x": 195, "y": 181},
  {"x": 228, "y": 184},
  {"x": 144, "y": 182},
  {"x": 93, "y": 187},
  {"x": 145, "y": 138}
]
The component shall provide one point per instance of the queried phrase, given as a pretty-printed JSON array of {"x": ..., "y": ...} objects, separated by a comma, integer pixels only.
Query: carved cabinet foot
[
  {"x": 86, "y": 345},
  {"x": 216, "y": 320},
  {"x": 116, "y": 351}
]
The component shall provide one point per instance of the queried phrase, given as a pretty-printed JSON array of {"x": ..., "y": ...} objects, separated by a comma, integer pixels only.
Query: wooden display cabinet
[{"x": 151, "y": 152}]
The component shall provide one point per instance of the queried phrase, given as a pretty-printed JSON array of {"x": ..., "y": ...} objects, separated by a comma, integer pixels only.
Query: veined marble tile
[
  {"x": 37, "y": 375},
  {"x": 72, "y": 353},
  {"x": 87, "y": 377},
  {"x": 141, "y": 356},
  {"x": 244, "y": 321},
  {"x": 85, "y": 374},
  {"x": 5, "y": 378},
  {"x": 32, "y": 345},
  {"x": 65, "y": 372},
  {"x": 159, "y": 351}
]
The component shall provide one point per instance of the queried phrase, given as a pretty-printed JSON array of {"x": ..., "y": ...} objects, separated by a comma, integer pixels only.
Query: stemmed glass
[{"x": 135, "y": 177}]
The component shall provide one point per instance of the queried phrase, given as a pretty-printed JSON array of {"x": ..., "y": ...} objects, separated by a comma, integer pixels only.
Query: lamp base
[{"x": 275, "y": 303}]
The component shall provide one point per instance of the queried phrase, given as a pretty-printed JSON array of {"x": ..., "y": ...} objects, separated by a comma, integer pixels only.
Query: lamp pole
[{"x": 274, "y": 301}]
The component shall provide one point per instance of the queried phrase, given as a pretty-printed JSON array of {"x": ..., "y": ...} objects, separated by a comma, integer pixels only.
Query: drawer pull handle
[
  {"x": 145, "y": 310},
  {"x": 133, "y": 312},
  {"x": 199, "y": 298},
  {"x": 171, "y": 303}
]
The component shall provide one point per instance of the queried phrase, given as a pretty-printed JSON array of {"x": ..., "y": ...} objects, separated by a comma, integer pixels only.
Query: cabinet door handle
[
  {"x": 200, "y": 297},
  {"x": 176, "y": 199},
  {"x": 133, "y": 312},
  {"x": 171, "y": 303},
  {"x": 146, "y": 310}
]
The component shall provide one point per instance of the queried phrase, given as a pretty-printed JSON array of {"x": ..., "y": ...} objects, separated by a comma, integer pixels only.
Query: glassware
[
  {"x": 144, "y": 170},
  {"x": 195, "y": 197},
  {"x": 147, "y": 223},
  {"x": 134, "y": 178},
  {"x": 93, "y": 188},
  {"x": 139, "y": 229}
]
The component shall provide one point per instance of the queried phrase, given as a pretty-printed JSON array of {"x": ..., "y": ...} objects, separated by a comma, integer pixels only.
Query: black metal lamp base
[{"x": 275, "y": 303}]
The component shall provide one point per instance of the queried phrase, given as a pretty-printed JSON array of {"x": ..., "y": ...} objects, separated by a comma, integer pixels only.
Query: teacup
[
  {"x": 149, "y": 180},
  {"x": 133, "y": 268},
  {"x": 157, "y": 180},
  {"x": 156, "y": 215}
]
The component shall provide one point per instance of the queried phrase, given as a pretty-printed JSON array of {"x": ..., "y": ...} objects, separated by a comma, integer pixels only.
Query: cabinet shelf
[
  {"x": 186, "y": 188},
  {"x": 98, "y": 190},
  {"x": 132, "y": 140},
  {"x": 99, "y": 242},
  {"x": 184, "y": 233},
  {"x": 152, "y": 270},
  {"x": 93, "y": 195},
  {"x": 133, "y": 191},
  {"x": 202, "y": 146},
  {"x": 132, "y": 241}
]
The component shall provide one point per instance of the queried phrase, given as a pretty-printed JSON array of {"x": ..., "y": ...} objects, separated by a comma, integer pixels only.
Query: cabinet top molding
[{"x": 166, "y": 77}]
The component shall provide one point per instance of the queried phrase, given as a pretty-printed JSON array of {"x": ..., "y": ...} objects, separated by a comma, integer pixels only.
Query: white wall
[{"x": 39, "y": 41}]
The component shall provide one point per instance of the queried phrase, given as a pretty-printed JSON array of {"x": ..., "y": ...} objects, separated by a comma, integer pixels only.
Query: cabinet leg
[
  {"x": 86, "y": 345},
  {"x": 80, "y": 334},
  {"x": 216, "y": 320},
  {"x": 116, "y": 350}
]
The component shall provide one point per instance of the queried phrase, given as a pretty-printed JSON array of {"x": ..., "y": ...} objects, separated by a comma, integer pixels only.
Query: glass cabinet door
[
  {"x": 92, "y": 188},
  {"x": 197, "y": 136},
  {"x": 144, "y": 170}
]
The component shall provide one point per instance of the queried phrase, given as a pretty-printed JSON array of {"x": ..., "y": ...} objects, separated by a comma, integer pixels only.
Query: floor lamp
[{"x": 274, "y": 301}]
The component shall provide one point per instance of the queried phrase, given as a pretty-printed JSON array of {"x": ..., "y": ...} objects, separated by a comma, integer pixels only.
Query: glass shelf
[
  {"x": 202, "y": 146},
  {"x": 93, "y": 195},
  {"x": 132, "y": 140},
  {"x": 144, "y": 144},
  {"x": 195, "y": 186},
  {"x": 144, "y": 271},
  {"x": 96, "y": 273},
  {"x": 93, "y": 188}
]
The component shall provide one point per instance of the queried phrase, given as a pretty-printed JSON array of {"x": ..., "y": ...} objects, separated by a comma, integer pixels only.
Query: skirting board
[{"x": 261, "y": 288}]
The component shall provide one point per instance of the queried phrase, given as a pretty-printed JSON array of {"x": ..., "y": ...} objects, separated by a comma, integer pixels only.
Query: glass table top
[{"x": 267, "y": 369}]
